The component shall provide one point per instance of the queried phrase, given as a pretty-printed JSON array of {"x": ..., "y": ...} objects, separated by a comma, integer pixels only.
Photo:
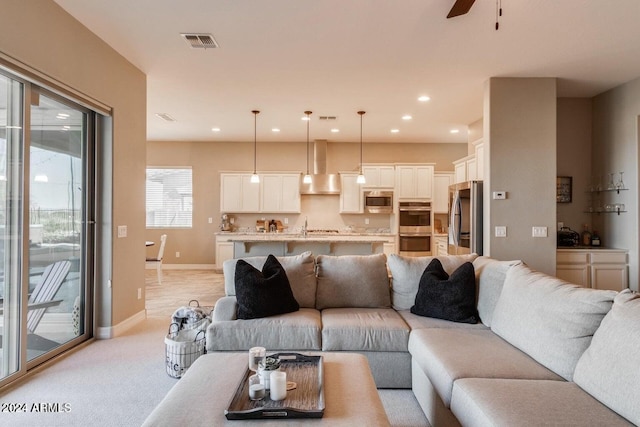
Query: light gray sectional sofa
[{"x": 545, "y": 353}]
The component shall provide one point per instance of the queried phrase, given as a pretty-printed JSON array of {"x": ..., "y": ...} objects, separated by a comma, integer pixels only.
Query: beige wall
[
  {"x": 44, "y": 37},
  {"x": 616, "y": 129},
  {"x": 520, "y": 140},
  {"x": 208, "y": 159},
  {"x": 574, "y": 159}
]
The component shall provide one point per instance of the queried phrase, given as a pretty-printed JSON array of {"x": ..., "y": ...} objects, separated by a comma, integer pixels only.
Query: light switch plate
[
  {"x": 539, "y": 231},
  {"x": 122, "y": 231},
  {"x": 501, "y": 231},
  {"x": 499, "y": 195}
]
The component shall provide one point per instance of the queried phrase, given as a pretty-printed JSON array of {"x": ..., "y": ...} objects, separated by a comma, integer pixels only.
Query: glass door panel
[
  {"x": 57, "y": 219},
  {"x": 11, "y": 214}
]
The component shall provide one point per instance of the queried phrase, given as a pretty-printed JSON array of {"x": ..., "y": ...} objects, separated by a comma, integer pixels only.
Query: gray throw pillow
[
  {"x": 263, "y": 293},
  {"x": 447, "y": 297}
]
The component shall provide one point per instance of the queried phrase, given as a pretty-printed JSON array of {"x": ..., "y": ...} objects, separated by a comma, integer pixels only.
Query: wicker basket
[{"x": 182, "y": 348}]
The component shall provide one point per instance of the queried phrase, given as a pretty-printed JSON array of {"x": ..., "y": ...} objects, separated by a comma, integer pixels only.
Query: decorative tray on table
[{"x": 305, "y": 401}]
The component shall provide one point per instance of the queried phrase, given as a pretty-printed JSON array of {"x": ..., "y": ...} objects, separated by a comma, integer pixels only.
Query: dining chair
[{"x": 157, "y": 261}]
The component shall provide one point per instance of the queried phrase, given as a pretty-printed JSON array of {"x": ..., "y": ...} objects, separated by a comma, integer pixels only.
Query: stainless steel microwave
[{"x": 380, "y": 202}]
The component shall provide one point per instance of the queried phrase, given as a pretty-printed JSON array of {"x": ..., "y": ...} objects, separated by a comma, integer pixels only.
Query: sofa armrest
[{"x": 226, "y": 308}]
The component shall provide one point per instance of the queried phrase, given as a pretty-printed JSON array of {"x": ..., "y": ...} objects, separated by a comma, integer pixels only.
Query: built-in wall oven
[{"x": 414, "y": 228}]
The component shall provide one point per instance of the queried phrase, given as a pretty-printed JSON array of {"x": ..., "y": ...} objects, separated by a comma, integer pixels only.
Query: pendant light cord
[
  {"x": 308, "y": 113},
  {"x": 255, "y": 139},
  {"x": 361, "y": 113}
]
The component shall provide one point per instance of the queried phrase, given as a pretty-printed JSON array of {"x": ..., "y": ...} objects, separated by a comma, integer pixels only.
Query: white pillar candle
[{"x": 278, "y": 385}]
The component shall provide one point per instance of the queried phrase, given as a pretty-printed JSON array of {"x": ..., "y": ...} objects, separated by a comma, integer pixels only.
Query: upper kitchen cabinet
[
  {"x": 379, "y": 176},
  {"x": 351, "y": 198},
  {"x": 441, "y": 183},
  {"x": 470, "y": 168},
  {"x": 414, "y": 181},
  {"x": 280, "y": 193},
  {"x": 238, "y": 193},
  {"x": 276, "y": 193}
]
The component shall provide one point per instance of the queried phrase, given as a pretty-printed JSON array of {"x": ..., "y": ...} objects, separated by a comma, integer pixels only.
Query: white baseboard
[
  {"x": 107, "y": 332},
  {"x": 183, "y": 267}
]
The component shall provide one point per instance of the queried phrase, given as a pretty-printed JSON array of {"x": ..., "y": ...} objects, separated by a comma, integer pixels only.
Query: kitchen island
[{"x": 239, "y": 244}]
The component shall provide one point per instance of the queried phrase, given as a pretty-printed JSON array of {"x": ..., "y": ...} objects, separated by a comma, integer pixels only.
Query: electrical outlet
[
  {"x": 177, "y": 254},
  {"x": 139, "y": 293},
  {"x": 499, "y": 195},
  {"x": 539, "y": 231},
  {"x": 122, "y": 231},
  {"x": 286, "y": 221},
  {"x": 501, "y": 231},
  {"x": 210, "y": 220},
  {"x": 366, "y": 221}
]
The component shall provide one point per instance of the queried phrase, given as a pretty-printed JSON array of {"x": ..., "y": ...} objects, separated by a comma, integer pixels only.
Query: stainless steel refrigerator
[{"x": 465, "y": 218}]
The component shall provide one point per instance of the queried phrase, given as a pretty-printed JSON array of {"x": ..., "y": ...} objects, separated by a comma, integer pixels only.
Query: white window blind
[{"x": 169, "y": 197}]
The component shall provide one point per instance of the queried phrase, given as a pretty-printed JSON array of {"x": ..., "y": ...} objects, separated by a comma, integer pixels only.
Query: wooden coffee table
[{"x": 201, "y": 396}]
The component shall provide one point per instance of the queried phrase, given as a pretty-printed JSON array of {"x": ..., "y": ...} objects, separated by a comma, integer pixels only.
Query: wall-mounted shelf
[
  {"x": 617, "y": 211},
  {"x": 617, "y": 190}
]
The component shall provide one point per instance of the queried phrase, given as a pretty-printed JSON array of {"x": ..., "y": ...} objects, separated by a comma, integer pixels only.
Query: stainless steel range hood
[{"x": 321, "y": 181}]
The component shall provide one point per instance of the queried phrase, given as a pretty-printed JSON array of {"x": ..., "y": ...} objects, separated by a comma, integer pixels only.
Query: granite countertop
[
  {"x": 310, "y": 237},
  {"x": 589, "y": 248}
]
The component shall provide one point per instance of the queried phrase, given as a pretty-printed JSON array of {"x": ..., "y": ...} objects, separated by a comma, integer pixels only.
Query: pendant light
[
  {"x": 255, "y": 178},
  {"x": 307, "y": 177},
  {"x": 361, "y": 179}
]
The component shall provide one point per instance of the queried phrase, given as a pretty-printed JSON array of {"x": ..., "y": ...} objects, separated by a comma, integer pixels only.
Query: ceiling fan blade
[{"x": 460, "y": 7}]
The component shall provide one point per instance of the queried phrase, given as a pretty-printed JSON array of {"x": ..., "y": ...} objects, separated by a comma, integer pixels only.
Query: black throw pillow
[
  {"x": 447, "y": 297},
  {"x": 263, "y": 293}
]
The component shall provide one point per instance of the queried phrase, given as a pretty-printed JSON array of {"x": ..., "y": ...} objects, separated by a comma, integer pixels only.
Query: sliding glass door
[{"x": 46, "y": 194}]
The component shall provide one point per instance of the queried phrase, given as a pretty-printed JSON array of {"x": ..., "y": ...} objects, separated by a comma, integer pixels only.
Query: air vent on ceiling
[
  {"x": 166, "y": 117},
  {"x": 327, "y": 117},
  {"x": 200, "y": 41}
]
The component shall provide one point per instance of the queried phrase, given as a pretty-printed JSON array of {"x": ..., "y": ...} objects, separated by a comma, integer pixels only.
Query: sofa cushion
[
  {"x": 420, "y": 322},
  {"x": 509, "y": 402},
  {"x": 300, "y": 330},
  {"x": 352, "y": 281},
  {"x": 363, "y": 329},
  {"x": 447, "y": 297},
  {"x": 263, "y": 293},
  {"x": 549, "y": 319},
  {"x": 406, "y": 273},
  {"x": 490, "y": 275},
  {"x": 446, "y": 355},
  {"x": 608, "y": 369},
  {"x": 300, "y": 271}
]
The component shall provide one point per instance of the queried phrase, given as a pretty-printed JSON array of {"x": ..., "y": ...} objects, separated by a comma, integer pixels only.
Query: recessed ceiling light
[
  {"x": 395, "y": 130},
  {"x": 454, "y": 131},
  {"x": 275, "y": 130},
  {"x": 335, "y": 130},
  {"x": 406, "y": 117},
  {"x": 423, "y": 98},
  {"x": 215, "y": 129},
  {"x": 62, "y": 116}
]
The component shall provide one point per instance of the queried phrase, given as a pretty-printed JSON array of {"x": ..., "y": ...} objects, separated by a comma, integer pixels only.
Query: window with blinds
[{"x": 169, "y": 198}]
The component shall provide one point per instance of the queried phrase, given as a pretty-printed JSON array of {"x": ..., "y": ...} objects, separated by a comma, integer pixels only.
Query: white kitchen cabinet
[
  {"x": 414, "y": 181},
  {"x": 389, "y": 248},
  {"x": 441, "y": 183},
  {"x": 440, "y": 243},
  {"x": 594, "y": 268},
  {"x": 379, "y": 176},
  {"x": 280, "y": 193},
  {"x": 224, "y": 251},
  {"x": 465, "y": 169},
  {"x": 238, "y": 193},
  {"x": 351, "y": 198},
  {"x": 276, "y": 193}
]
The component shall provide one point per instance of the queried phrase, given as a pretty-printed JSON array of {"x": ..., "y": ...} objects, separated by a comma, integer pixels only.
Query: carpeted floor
[{"x": 118, "y": 382}]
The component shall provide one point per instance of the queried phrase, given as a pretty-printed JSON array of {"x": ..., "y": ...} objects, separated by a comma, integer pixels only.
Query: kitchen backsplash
[{"x": 321, "y": 212}]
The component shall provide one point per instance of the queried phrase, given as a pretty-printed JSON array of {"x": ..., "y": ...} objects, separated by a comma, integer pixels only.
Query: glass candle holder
[{"x": 256, "y": 388}]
